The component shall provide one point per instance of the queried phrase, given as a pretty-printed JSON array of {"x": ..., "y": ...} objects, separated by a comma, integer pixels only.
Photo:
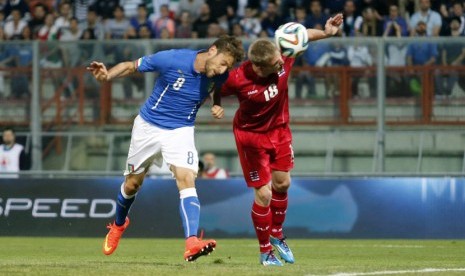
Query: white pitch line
[{"x": 388, "y": 272}]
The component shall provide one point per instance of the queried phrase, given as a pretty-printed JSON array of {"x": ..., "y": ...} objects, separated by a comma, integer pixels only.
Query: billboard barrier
[{"x": 349, "y": 208}]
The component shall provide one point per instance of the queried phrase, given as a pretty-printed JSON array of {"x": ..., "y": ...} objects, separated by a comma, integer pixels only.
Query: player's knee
[
  {"x": 282, "y": 185},
  {"x": 185, "y": 179},
  {"x": 132, "y": 185},
  {"x": 263, "y": 197}
]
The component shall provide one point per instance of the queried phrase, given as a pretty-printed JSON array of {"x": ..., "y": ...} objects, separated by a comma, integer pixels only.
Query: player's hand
[
  {"x": 99, "y": 71},
  {"x": 333, "y": 23},
  {"x": 217, "y": 112}
]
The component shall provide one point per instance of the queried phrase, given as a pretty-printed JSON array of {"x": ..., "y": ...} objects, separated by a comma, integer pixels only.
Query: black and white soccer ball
[{"x": 292, "y": 39}]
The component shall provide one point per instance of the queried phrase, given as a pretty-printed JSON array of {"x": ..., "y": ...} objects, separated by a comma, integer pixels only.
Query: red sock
[
  {"x": 261, "y": 217},
  {"x": 278, "y": 207}
]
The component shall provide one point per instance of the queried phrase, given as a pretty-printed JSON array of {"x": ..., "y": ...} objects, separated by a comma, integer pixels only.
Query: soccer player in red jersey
[{"x": 264, "y": 139}]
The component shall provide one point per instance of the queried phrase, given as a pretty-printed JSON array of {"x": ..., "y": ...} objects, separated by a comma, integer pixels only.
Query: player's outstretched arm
[
  {"x": 331, "y": 28},
  {"x": 100, "y": 72}
]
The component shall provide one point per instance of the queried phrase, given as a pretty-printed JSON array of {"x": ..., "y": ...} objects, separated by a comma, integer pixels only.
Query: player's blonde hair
[
  {"x": 230, "y": 45},
  {"x": 261, "y": 52}
]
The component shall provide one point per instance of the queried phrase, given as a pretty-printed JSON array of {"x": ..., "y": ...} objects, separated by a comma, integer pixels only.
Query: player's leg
[
  {"x": 281, "y": 164},
  {"x": 261, "y": 218},
  {"x": 180, "y": 153},
  {"x": 144, "y": 146},
  {"x": 279, "y": 201},
  {"x": 281, "y": 182},
  {"x": 125, "y": 198},
  {"x": 255, "y": 167}
]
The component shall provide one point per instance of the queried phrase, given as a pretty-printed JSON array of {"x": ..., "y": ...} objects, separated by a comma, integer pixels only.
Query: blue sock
[
  {"x": 123, "y": 203},
  {"x": 189, "y": 208}
]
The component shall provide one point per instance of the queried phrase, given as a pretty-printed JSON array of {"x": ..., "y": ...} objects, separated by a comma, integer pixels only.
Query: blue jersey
[{"x": 179, "y": 90}]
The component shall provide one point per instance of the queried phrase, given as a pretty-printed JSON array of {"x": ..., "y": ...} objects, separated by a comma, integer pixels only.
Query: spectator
[
  {"x": 80, "y": 9},
  {"x": 131, "y": 7},
  {"x": 431, "y": 18},
  {"x": 452, "y": 54},
  {"x": 350, "y": 18},
  {"x": 238, "y": 31},
  {"x": 141, "y": 18},
  {"x": 62, "y": 22},
  {"x": 4, "y": 59},
  {"x": 369, "y": 25},
  {"x": 211, "y": 170},
  {"x": 334, "y": 6},
  {"x": 219, "y": 8},
  {"x": 20, "y": 5},
  {"x": 145, "y": 32},
  {"x": 271, "y": 20},
  {"x": 396, "y": 54},
  {"x": 184, "y": 28},
  {"x": 48, "y": 31},
  {"x": 287, "y": 8},
  {"x": 337, "y": 57},
  {"x": 250, "y": 23},
  {"x": 315, "y": 56},
  {"x": 15, "y": 26},
  {"x": 200, "y": 26},
  {"x": 214, "y": 30},
  {"x": 154, "y": 7},
  {"x": 316, "y": 16},
  {"x": 380, "y": 7},
  {"x": 301, "y": 16},
  {"x": 22, "y": 54},
  {"x": 457, "y": 12},
  {"x": 420, "y": 53},
  {"x": 93, "y": 24},
  {"x": 190, "y": 6},
  {"x": 106, "y": 8},
  {"x": 38, "y": 19},
  {"x": 116, "y": 28},
  {"x": 73, "y": 33},
  {"x": 239, "y": 12},
  {"x": 394, "y": 23},
  {"x": 164, "y": 22},
  {"x": 13, "y": 157},
  {"x": 360, "y": 56},
  {"x": 89, "y": 52}
]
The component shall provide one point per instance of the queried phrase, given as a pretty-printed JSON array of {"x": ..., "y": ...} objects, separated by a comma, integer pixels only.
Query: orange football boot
[
  {"x": 196, "y": 247},
  {"x": 114, "y": 235}
]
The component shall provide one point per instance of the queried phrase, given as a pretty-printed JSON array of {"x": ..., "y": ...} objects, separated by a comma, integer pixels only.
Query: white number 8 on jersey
[{"x": 178, "y": 84}]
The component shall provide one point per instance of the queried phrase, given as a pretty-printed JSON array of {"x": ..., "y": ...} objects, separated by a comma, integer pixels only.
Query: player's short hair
[
  {"x": 261, "y": 52},
  {"x": 230, "y": 45}
]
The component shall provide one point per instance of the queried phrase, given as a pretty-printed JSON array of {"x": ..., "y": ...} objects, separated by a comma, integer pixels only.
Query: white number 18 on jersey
[{"x": 271, "y": 92}]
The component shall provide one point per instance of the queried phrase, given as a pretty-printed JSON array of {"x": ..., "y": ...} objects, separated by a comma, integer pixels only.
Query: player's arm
[
  {"x": 331, "y": 28},
  {"x": 100, "y": 72}
]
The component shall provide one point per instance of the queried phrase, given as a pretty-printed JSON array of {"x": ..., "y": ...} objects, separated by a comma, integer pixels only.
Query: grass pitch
[{"x": 83, "y": 256}]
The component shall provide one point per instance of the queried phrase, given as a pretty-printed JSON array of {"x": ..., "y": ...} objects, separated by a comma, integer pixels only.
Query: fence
[{"x": 49, "y": 90}]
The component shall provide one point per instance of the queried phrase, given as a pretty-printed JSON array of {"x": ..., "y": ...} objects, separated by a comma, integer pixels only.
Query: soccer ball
[{"x": 292, "y": 39}]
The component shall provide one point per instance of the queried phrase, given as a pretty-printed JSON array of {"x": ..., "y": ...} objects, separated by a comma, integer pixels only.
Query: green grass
[{"x": 83, "y": 256}]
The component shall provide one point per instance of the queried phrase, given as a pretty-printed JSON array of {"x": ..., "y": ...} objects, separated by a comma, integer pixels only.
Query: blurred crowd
[
  {"x": 73, "y": 20},
  {"x": 165, "y": 19}
]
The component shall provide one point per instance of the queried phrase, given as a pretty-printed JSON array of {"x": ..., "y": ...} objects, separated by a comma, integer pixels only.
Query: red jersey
[{"x": 263, "y": 102}]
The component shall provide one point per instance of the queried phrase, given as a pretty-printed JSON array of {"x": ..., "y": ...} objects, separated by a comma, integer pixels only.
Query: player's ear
[{"x": 212, "y": 50}]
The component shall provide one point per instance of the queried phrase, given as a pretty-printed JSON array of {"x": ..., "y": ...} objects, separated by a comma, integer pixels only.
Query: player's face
[
  {"x": 274, "y": 66},
  {"x": 218, "y": 64}
]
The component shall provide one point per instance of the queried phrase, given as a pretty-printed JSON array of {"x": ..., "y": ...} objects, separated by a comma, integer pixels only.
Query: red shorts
[{"x": 260, "y": 153}]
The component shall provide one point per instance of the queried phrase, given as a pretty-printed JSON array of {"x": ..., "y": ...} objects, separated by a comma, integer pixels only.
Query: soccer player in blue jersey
[{"x": 164, "y": 129}]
